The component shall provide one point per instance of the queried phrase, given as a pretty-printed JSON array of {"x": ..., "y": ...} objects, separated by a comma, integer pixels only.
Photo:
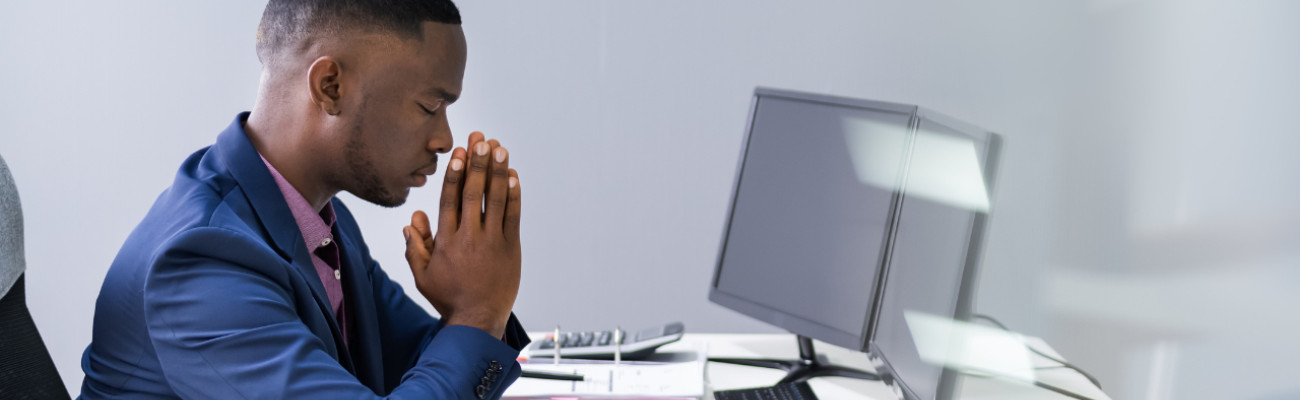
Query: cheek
[
  {"x": 396, "y": 143},
  {"x": 401, "y": 152}
]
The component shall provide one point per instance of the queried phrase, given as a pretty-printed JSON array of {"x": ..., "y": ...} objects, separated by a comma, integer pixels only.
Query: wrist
[{"x": 493, "y": 326}]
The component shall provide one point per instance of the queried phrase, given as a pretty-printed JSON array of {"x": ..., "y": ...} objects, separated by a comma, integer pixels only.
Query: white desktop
[
  {"x": 721, "y": 376},
  {"x": 858, "y": 226}
]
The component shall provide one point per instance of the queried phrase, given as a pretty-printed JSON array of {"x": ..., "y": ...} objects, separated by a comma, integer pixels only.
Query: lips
[
  {"x": 429, "y": 170},
  {"x": 420, "y": 176}
]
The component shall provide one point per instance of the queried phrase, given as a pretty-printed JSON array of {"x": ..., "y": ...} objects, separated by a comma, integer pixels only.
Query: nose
[{"x": 441, "y": 140}]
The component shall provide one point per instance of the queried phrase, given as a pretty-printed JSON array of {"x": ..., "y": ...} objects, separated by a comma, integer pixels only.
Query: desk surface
[{"x": 727, "y": 376}]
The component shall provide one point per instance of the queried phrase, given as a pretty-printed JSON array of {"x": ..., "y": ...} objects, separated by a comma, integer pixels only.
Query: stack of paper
[{"x": 666, "y": 376}]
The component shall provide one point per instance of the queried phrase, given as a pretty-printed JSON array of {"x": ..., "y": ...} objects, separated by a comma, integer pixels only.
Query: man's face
[{"x": 399, "y": 122}]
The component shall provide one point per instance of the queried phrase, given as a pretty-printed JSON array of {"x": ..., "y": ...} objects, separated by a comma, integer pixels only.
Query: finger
[
  {"x": 420, "y": 221},
  {"x": 493, "y": 144},
  {"x": 511, "y": 222},
  {"x": 495, "y": 207},
  {"x": 471, "y": 196},
  {"x": 474, "y": 138},
  {"x": 449, "y": 205},
  {"x": 417, "y": 255}
]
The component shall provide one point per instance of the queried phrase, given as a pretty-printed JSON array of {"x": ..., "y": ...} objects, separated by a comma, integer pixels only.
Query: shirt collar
[{"x": 316, "y": 227}]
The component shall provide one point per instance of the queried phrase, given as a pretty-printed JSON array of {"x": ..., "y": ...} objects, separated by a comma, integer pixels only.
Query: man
[{"x": 249, "y": 280}]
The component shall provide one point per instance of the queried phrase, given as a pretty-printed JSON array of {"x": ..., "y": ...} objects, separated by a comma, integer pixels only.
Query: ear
[{"x": 323, "y": 83}]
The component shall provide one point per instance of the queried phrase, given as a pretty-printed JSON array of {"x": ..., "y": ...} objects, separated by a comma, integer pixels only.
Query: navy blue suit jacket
[{"x": 214, "y": 295}]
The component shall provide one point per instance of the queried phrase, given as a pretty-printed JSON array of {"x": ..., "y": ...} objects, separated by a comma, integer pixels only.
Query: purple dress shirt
[{"x": 317, "y": 232}]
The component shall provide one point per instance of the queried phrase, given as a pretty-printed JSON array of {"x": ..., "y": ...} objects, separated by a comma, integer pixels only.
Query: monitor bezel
[{"x": 801, "y": 326}]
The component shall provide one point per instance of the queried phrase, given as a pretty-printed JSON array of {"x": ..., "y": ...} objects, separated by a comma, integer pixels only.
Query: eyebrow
[{"x": 442, "y": 94}]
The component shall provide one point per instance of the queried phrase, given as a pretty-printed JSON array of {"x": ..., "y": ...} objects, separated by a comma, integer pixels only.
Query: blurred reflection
[
  {"x": 971, "y": 347},
  {"x": 943, "y": 168},
  {"x": 932, "y": 265},
  {"x": 947, "y": 170},
  {"x": 874, "y": 149}
]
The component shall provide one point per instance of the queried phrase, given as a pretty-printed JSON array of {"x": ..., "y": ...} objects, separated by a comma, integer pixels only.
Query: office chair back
[{"x": 26, "y": 369}]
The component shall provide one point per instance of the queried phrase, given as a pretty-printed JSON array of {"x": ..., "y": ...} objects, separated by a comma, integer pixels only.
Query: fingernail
[
  {"x": 481, "y": 148},
  {"x": 406, "y": 233},
  {"x": 455, "y": 164},
  {"x": 513, "y": 181},
  {"x": 501, "y": 154}
]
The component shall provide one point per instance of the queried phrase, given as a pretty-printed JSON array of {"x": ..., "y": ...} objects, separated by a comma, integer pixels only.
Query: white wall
[
  {"x": 1144, "y": 211},
  {"x": 1175, "y": 273}
]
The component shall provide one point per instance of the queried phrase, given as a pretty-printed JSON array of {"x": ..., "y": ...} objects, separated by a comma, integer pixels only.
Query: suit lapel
[
  {"x": 302, "y": 260},
  {"x": 363, "y": 327},
  {"x": 238, "y": 155}
]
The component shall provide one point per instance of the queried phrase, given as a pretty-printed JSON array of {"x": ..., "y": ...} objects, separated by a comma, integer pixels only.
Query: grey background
[{"x": 1146, "y": 217}]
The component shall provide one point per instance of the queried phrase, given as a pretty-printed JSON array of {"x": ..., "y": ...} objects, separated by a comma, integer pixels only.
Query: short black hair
[{"x": 288, "y": 23}]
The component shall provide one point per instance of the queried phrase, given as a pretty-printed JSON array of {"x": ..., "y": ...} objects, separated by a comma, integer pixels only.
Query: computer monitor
[
  {"x": 811, "y": 215},
  {"x": 931, "y": 267},
  {"x": 846, "y": 216}
]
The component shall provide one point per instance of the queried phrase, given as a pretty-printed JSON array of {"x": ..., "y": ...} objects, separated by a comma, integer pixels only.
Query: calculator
[{"x": 600, "y": 345}]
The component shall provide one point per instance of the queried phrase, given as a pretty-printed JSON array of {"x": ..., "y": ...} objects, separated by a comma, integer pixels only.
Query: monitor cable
[
  {"x": 1063, "y": 363},
  {"x": 981, "y": 374}
]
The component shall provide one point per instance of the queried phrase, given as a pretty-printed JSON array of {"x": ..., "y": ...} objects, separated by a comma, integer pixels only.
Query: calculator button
[{"x": 572, "y": 339}]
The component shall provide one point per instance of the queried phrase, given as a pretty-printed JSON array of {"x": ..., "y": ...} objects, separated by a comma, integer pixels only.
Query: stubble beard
[{"x": 367, "y": 184}]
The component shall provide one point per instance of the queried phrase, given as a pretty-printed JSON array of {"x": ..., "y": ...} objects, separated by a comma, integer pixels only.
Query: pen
[
  {"x": 559, "y": 376},
  {"x": 618, "y": 345},
  {"x": 557, "y": 345}
]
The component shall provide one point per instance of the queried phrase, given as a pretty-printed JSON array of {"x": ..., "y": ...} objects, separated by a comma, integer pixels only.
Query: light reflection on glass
[
  {"x": 944, "y": 168},
  {"x": 970, "y": 347}
]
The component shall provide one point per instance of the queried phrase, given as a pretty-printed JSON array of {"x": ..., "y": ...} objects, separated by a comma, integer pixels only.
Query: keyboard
[
  {"x": 787, "y": 391},
  {"x": 599, "y": 345}
]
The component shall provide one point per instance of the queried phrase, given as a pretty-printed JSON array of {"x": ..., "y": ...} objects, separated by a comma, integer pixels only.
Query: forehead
[{"x": 433, "y": 62}]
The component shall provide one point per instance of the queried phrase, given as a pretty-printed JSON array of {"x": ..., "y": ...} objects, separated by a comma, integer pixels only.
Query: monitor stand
[{"x": 805, "y": 368}]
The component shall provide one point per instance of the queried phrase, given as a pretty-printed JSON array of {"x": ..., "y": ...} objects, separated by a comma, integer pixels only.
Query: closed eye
[{"x": 433, "y": 112}]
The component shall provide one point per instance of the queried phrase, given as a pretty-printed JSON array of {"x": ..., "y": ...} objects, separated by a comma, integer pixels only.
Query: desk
[{"x": 727, "y": 376}]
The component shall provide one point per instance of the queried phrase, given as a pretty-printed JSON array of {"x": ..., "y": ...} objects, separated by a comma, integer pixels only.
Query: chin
[
  {"x": 396, "y": 201},
  {"x": 385, "y": 198},
  {"x": 401, "y": 197}
]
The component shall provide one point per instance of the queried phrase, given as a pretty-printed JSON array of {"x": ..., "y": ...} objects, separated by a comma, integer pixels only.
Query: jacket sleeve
[
  {"x": 409, "y": 330},
  {"x": 223, "y": 319}
]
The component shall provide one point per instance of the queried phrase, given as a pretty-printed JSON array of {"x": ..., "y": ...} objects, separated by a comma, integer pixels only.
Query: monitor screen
[
  {"x": 931, "y": 268},
  {"x": 811, "y": 213}
]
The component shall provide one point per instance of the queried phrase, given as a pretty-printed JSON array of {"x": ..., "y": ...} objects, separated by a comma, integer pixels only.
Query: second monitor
[{"x": 815, "y": 213}]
